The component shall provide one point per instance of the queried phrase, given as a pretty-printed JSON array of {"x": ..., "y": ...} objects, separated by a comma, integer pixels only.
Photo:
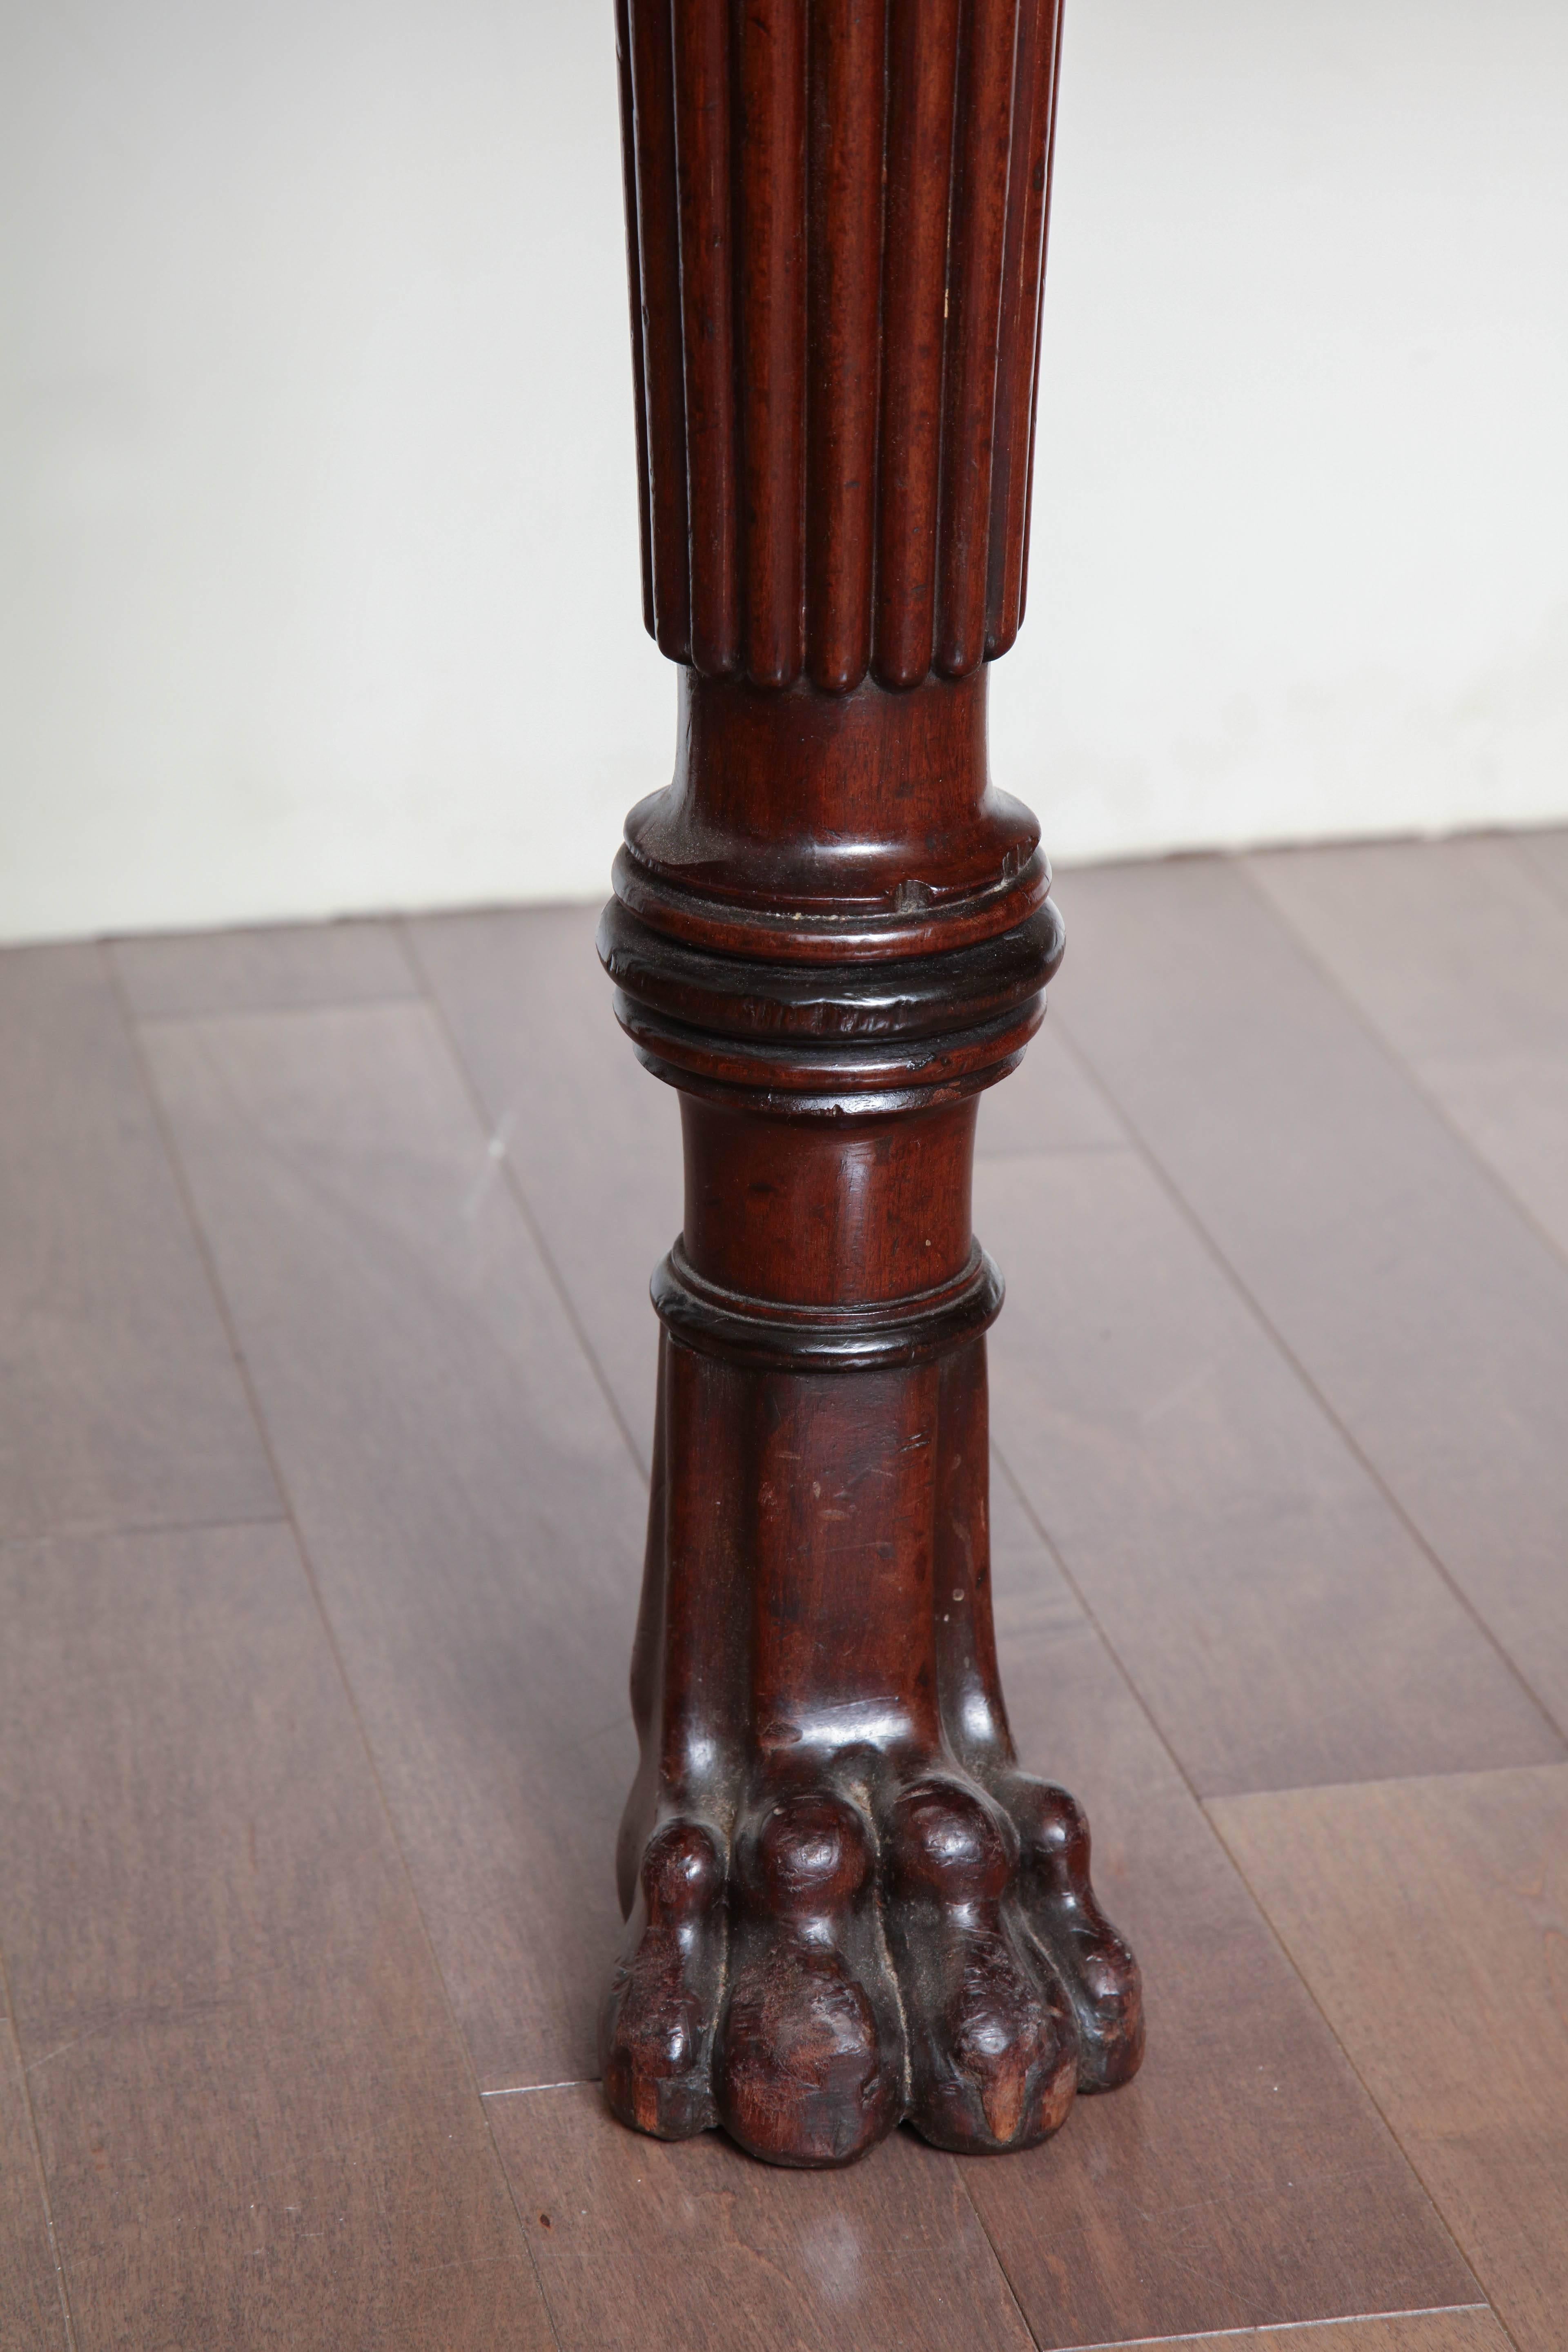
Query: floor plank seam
[
  {"x": 61, "y": 2288},
  {"x": 100, "y": 1530},
  {"x": 194, "y": 1018},
  {"x": 1036, "y": 1522},
  {"x": 522, "y": 2090},
  {"x": 1265, "y": 1323},
  {"x": 1054, "y": 1151},
  {"x": 1003, "y": 2271},
  {"x": 1380, "y": 1780},
  {"x": 1177, "y": 1766},
  {"x": 1267, "y": 1917},
  {"x": 1245, "y": 1295},
  {"x": 519, "y": 1197},
  {"x": 1389, "y": 1053},
  {"x": 1109, "y": 1646},
  {"x": 1282, "y": 2327},
  {"x": 303, "y": 1552}
]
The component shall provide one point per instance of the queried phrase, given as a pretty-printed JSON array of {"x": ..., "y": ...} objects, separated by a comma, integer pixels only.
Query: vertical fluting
[
  {"x": 1023, "y": 275},
  {"x": 922, "y": 56},
  {"x": 1022, "y": 556},
  {"x": 982, "y": 143},
  {"x": 703, "y": 143},
  {"x": 634, "y": 287},
  {"x": 837, "y": 212},
  {"x": 847, "y": 97},
  {"x": 658, "y": 258},
  {"x": 771, "y": 236}
]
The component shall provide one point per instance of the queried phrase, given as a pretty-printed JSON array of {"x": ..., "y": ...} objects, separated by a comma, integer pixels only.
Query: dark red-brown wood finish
[{"x": 845, "y": 1902}]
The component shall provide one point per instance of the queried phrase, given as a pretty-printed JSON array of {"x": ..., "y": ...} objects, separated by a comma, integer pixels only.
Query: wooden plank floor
[{"x": 325, "y": 1400}]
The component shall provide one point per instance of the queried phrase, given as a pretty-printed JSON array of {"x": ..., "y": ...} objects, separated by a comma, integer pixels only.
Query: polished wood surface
[
  {"x": 1416, "y": 1295},
  {"x": 1241, "y": 2175},
  {"x": 276, "y": 969},
  {"x": 836, "y": 289},
  {"x": 455, "y": 1475},
  {"x": 847, "y": 1904},
  {"x": 695, "y": 2249},
  {"x": 1430, "y": 1919},
  {"x": 1157, "y": 1862},
  {"x": 256, "y": 2117},
  {"x": 96, "y": 1275},
  {"x": 596, "y": 1167},
  {"x": 1484, "y": 1027},
  {"x": 1279, "y": 1616},
  {"x": 397, "y": 1210}
]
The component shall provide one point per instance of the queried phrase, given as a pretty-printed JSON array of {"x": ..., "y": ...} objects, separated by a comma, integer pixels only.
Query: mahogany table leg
[{"x": 845, "y": 1902}]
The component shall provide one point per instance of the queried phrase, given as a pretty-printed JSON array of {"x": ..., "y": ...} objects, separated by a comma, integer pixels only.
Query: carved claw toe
[
  {"x": 810, "y": 2058},
  {"x": 992, "y": 2043},
  {"x": 1096, "y": 1968},
  {"x": 822, "y": 1978},
  {"x": 657, "y": 2034}
]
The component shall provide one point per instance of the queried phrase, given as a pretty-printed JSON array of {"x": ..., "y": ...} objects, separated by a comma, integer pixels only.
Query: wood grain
[
  {"x": 595, "y": 1149},
  {"x": 469, "y": 1508},
  {"x": 1430, "y": 1919},
  {"x": 272, "y": 969},
  {"x": 1458, "y": 955},
  {"x": 1277, "y": 1617},
  {"x": 256, "y": 2119},
  {"x": 32, "y": 2318},
  {"x": 1243, "y": 2177},
  {"x": 120, "y": 1403},
  {"x": 715, "y": 2254},
  {"x": 1423, "y": 1307}
]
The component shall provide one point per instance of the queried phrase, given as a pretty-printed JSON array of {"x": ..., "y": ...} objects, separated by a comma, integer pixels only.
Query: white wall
[{"x": 318, "y": 577}]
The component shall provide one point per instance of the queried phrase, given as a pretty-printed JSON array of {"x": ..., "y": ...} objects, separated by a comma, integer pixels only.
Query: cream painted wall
[{"x": 318, "y": 577}]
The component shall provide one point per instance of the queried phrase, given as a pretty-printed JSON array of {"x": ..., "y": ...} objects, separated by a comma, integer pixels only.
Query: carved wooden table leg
[{"x": 846, "y": 1902}]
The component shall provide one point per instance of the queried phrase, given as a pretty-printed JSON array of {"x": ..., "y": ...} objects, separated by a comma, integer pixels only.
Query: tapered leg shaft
[{"x": 846, "y": 1902}]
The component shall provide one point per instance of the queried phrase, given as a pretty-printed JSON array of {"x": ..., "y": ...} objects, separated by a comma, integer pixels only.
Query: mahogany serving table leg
[{"x": 845, "y": 1902}]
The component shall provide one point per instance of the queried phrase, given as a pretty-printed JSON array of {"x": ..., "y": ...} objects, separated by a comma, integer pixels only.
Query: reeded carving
[{"x": 835, "y": 215}]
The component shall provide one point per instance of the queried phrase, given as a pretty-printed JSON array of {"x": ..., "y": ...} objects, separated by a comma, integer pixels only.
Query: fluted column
[
  {"x": 847, "y": 1903},
  {"x": 836, "y": 225}
]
